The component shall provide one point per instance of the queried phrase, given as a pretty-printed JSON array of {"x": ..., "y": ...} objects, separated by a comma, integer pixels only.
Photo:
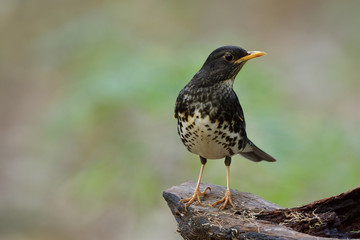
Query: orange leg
[
  {"x": 197, "y": 192},
  {"x": 227, "y": 198}
]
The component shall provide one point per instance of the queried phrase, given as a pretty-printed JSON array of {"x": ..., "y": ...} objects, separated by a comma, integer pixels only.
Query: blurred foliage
[{"x": 87, "y": 97}]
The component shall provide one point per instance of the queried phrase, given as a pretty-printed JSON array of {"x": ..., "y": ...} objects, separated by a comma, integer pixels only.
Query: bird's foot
[
  {"x": 196, "y": 195},
  {"x": 226, "y": 199}
]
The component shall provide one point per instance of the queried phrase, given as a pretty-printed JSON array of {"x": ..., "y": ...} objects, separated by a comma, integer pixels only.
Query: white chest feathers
[{"x": 210, "y": 140}]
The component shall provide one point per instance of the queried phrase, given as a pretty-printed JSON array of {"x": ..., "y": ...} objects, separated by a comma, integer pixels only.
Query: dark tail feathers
[{"x": 255, "y": 154}]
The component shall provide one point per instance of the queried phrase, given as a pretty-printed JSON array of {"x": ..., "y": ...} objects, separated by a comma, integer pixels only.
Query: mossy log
[{"x": 253, "y": 217}]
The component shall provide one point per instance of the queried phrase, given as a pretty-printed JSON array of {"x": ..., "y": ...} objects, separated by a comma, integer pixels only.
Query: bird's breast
[{"x": 207, "y": 137}]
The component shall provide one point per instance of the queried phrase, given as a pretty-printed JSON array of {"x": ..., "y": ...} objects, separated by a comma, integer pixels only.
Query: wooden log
[{"x": 253, "y": 217}]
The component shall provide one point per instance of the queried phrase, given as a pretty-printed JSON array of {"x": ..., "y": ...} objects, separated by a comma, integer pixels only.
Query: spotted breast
[{"x": 212, "y": 126}]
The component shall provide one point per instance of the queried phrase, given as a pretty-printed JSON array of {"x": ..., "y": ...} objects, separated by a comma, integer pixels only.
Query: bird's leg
[
  {"x": 197, "y": 192},
  {"x": 227, "y": 198}
]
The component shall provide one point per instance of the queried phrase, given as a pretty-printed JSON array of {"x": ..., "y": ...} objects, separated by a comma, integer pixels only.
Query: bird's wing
[{"x": 238, "y": 109}]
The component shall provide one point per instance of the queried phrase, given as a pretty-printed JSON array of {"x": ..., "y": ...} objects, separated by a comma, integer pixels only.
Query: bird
[{"x": 210, "y": 119}]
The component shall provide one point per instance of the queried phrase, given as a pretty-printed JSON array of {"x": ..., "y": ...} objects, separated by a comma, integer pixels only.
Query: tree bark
[{"x": 253, "y": 217}]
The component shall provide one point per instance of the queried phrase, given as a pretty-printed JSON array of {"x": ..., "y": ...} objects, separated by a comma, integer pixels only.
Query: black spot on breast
[
  {"x": 231, "y": 128},
  {"x": 232, "y": 143},
  {"x": 231, "y": 152},
  {"x": 191, "y": 126},
  {"x": 240, "y": 144}
]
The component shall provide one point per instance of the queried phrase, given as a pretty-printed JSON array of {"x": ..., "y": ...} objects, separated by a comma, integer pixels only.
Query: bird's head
[{"x": 225, "y": 62}]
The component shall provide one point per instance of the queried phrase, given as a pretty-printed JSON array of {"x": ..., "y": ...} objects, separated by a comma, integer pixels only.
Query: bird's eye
[{"x": 229, "y": 57}]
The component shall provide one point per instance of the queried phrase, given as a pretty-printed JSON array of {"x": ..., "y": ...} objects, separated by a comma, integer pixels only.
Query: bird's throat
[{"x": 229, "y": 83}]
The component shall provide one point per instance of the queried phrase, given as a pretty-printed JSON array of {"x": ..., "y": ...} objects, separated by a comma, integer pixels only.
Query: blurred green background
[{"x": 87, "y": 91}]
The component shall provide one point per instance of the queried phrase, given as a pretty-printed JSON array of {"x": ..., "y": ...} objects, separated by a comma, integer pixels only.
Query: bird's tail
[{"x": 255, "y": 154}]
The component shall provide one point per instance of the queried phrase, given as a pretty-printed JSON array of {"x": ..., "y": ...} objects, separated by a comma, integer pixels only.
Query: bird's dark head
[{"x": 224, "y": 63}]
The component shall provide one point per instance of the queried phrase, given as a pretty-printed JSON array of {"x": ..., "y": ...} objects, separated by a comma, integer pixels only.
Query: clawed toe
[
  {"x": 196, "y": 195},
  {"x": 226, "y": 199}
]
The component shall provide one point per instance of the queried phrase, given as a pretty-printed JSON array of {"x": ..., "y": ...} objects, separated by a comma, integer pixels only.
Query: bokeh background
[{"x": 87, "y": 90}]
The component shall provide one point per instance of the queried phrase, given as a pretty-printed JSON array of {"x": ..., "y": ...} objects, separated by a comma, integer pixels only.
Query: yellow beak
[{"x": 251, "y": 54}]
